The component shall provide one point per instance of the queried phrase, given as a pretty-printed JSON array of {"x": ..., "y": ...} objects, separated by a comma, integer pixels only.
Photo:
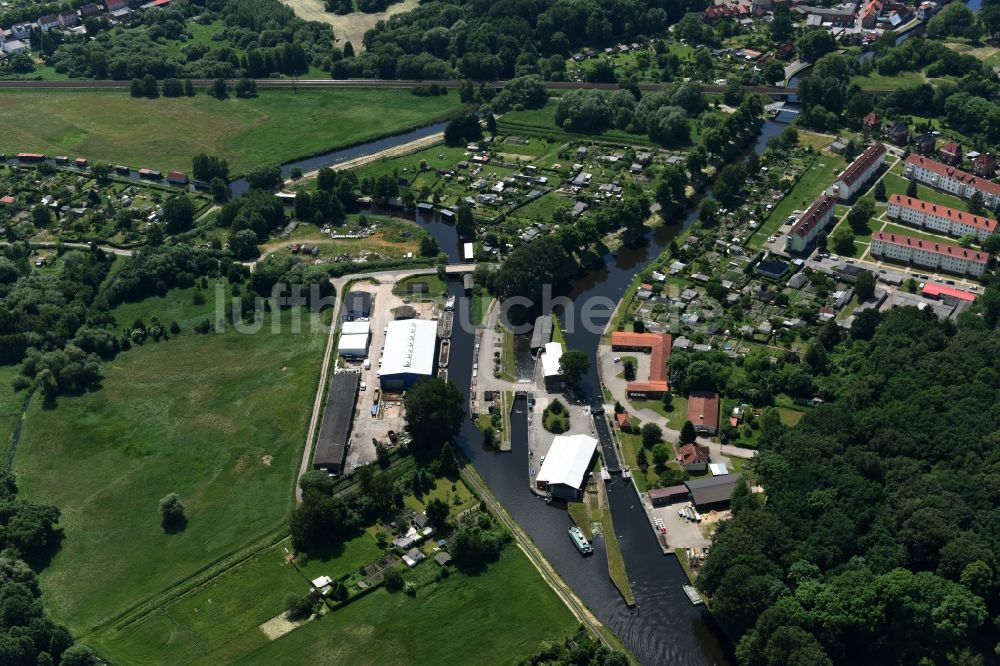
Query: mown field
[
  {"x": 10, "y": 408},
  {"x": 277, "y": 126},
  {"x": 219, "y": 419}
]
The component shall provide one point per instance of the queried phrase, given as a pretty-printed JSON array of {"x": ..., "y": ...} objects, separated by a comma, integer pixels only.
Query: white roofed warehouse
[
  {"x": 353, "y": 339},
  {"x": 550, "y": 365},
  {"x": 566, "y": 465},
  {"x": 409, "y": 353}
]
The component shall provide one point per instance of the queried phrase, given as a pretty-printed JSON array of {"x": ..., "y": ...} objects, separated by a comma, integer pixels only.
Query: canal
[{"x": 663, "y": 628}]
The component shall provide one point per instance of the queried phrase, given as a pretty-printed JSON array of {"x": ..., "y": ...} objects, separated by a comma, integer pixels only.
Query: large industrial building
[
  {"x": 566, "y": 464},
  {"x": 657, "y": 345},
  {"x": 409, "y": 353},
  {"x": 354, "y": 339},
  {"x": 335, "y": 432}
]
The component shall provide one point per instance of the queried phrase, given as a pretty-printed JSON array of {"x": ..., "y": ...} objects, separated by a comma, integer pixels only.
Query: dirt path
[{"x": 347, "y": 27}]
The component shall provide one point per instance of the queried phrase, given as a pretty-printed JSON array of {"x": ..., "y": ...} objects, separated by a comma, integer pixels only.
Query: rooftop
[
  {"x": 856, "y": 169},
  {"x": 712, "y": 489},
  {"x": 568, "y": 460},
  {"x": 703, "y": 408},
  {"x": 409, "y": 347},
  {"x": 823, "y": 205},
  {"x": 951, "y": 172},
  {"x": 945, "y": 212},
  {"x": 944, "y": 249}
]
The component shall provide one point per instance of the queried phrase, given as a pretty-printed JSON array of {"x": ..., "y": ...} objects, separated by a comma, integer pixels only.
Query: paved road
[{"x": 339, "y": 284}]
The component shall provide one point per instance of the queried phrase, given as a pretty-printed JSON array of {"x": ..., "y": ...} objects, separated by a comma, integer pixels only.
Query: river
[{"x": 663, "y": 628}]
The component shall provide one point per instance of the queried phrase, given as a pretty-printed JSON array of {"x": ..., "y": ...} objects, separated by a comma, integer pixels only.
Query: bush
[
  {"x": 393, "y": 580},
  {"x": 299, "y": 608}
]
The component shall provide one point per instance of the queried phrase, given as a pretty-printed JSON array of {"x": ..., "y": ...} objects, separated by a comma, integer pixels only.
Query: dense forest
[{"x": 877, "y": 538}]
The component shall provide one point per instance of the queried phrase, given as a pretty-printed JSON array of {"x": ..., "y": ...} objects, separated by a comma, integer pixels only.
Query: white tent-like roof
[
  {"x": 355, "y": 328},
  {"x": 568, "y": 460},
  {"x": 409, "y": 347},
  {"x": 550, "y": 359},
  {"x": 353, "y": 345},
  {"x": 718, "y": 469}
]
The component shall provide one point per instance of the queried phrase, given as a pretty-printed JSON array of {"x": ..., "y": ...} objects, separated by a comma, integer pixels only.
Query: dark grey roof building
[
  {"x": 335, "y": 432},
  {"x": 712, "y": 490},
  {"x": 357, "y": 304}
]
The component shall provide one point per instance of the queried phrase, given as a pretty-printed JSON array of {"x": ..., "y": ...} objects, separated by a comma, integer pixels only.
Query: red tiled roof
[
  {"x": 935, "y": 289},
  {"x": 950, "y": 148},
  {"x": 871, "y": 119},
  {"x": 703, "y": 408},
  {"x": 861, "y": 164},
  {"x": 957, "y": 174},
  {"x": 6, "y": 199},
  {"x": 944, "y": 249},
  {"x": 36, "y": 156},
  {"x": 823, "y": 204},
  {"x": 658, "y": 345},
  {"x": 692, "y": 454},
  {"x": 623, "y": 419},
  {"x": 942, "y": 211},
  {"x": 178, "y": 176}
]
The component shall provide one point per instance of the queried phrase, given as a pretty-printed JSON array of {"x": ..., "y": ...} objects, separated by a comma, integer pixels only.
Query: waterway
[{"x": 664, "y": 627}]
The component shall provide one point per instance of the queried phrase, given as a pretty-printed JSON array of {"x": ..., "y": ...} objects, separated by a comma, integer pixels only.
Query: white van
[{"x": 367, "y": 365}]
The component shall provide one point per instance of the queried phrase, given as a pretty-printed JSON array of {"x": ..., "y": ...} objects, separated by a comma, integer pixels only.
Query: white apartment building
[
  {"x": 929, "y": 254},
  {"x": 810, "y": 223},
  {"x": 951, "y": 180},
  {"x": 941, "y": 219},
  {"x": 859, "y": 172}
]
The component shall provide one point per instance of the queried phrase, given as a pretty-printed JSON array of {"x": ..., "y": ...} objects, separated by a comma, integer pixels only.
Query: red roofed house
[
  {"x": 859, "y": 172},
  {"x": 950, "y": 153},
  {"x": 934, "y": 255},
  {"x": 941, "y": 219},
  {"x": 703, "y": 412},
  {"x": 624, "y": 422},
  {"x": 810, "y": 223},
  {"x": 115, "y": 5},
  {"x": 950, "y": 179},
  {"x": 177, "y": 178},
  {"x": 657, "y": 345},
  {"x": 984, "y": 165},
  {"x": 693, "y": 457},
  {"x": 6, "y": 199},
  {"x": 872, "y": 123},
  {"x": 48, "y": 22}
]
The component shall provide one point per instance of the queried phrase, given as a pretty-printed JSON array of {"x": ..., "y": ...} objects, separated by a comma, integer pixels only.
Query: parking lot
[{"x": 681, "y": 532}]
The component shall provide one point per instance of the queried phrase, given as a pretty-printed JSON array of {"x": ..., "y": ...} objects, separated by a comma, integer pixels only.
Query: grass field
[
  {"x": 507, "y": 609},
  {"x": 896, "y": 184},
  {"x": 913, "y": 232},
  {"x": 816, "y": 178},
  {"x": 616, "y": 563},
  {"x": 277, "y": 126},
  {"x": 878, "y": 81},
  {"x": 542, "y": 122},
  {"x": 219, "y": 419},
  {"x": 499, "y": 615},
  {"x": 10, "y": 408}
]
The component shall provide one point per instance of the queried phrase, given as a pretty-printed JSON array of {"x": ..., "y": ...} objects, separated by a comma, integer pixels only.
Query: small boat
[
  {"x": 122, "y": 170},
  {"x": 450, "y": 303},
  {"x": 580, "y": 541},
  {"x": 693, "y": 595},
  {"x": 445, "y": 353}
]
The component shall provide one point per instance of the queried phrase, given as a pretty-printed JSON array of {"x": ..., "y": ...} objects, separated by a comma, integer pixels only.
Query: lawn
[
  {"x": 814, "y": 180},
  {"x": 913, "y": 232},
  {"x": 616, "y": 563},
  {"x": 541, "y": 122},
  {"x": 217, "y": 623},
  {"x": 895, "y": 184},
  {"x": 11, "y": 404},
  {"x": 277, "y": 126},
  {"x": 219, "y": 419},
  {"x": 425, "y": 286},
  {"x": 880, "y": 82},
  {"x": 506, "y": 611}
]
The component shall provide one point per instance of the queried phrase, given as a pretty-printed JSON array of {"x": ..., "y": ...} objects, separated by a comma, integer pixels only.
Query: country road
[{"x": 121, "y": 252}]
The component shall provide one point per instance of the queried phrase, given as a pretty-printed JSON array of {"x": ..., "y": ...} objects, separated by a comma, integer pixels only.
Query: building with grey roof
[{"x": 712, "y": 491}]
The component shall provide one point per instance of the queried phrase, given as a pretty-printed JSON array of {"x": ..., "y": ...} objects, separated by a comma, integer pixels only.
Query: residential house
[
  {"x": 68, "y": 19},
  {"x": 940, "y": 219},
  {"x": 91, "y": 9},
  {"x": 872, "y": 123},
  {"x": 950, "y": 153},
  {"x": 899, "y": 133},
  {"x": 857, "y": 174},
  {"x": 952, "y": 180},
  {"x": 929, "y": 254},
  {"x": 48, "y": 22},
  {"x": 984, "y": 165},
  {"x": 808, "y": 226},
  {"x": 693, "y": 457},
  {"x": 925, "y": 143},
  {"x": 624, "y": 422},
  {"x": 703, "y": 411}
]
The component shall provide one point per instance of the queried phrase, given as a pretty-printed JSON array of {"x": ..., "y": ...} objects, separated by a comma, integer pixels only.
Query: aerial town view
[{"x": 568, "y": 332}]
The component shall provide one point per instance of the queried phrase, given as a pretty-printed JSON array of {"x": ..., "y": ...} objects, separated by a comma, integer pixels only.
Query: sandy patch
[
  {"x": 347, "y": 27},
  {"x": 280, "y": 625}
]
